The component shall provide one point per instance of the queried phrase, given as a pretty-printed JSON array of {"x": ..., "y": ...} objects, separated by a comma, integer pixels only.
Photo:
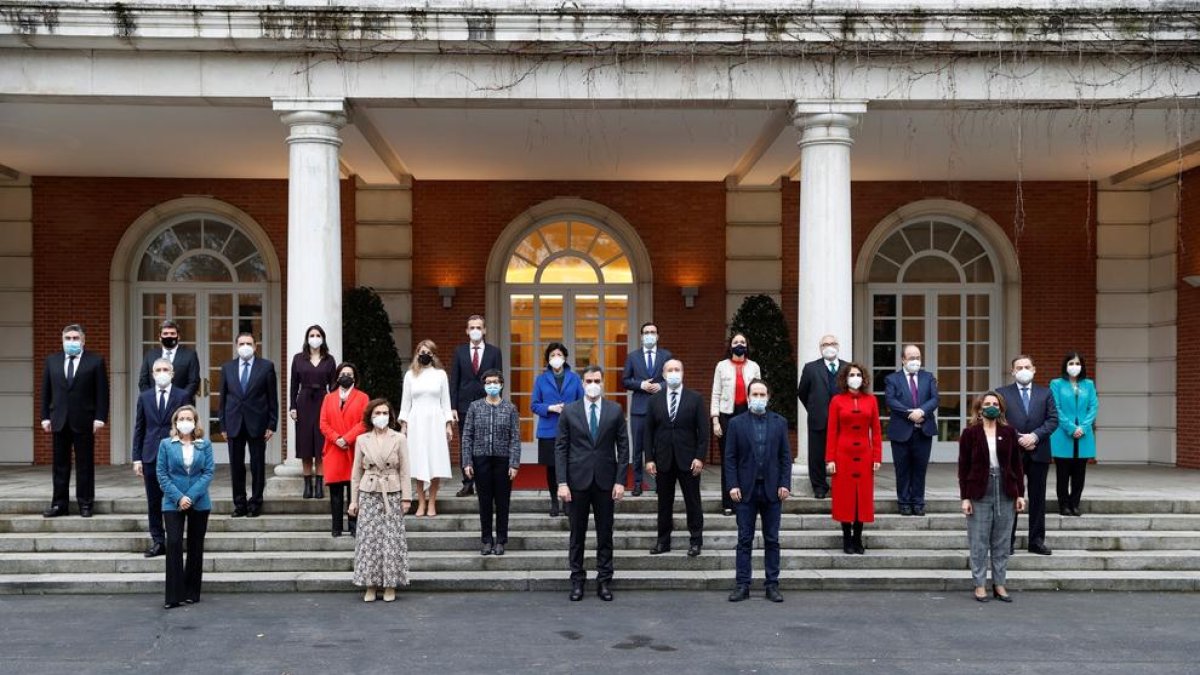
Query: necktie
[
  {"x": 833, "y": 368},
  {"x": 170, "y": 355},
  {"x": 1025, "y": 399},
  {"x": 70, "y": 370},
  {"x": 674, "y": 404},
  {"x": 912, "y": 386},
  {"x": 245, "y": 375},
  {"x": 594, "y": 420},
  {"x": 650, "y": 363},
  {"x": 162, "y": 400},
  {"x": 475, "y": 360}
]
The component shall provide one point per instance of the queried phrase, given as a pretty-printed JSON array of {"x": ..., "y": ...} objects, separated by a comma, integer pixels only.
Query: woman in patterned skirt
[{"x": 380, "y": 493}]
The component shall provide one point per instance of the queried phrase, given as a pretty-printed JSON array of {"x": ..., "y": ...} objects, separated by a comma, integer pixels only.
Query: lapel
[
  {"x": 375, "y": 449},
  {"x": 58, "y": 365}
]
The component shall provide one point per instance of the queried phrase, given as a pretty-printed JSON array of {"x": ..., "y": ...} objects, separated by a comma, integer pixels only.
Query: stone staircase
[{"x": 1150, "y": 544}]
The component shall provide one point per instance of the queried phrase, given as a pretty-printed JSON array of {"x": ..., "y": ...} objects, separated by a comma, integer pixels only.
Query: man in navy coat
[
  {"x": 249, "y": 415},
  {"x": 643, "y": 377},
  {"x": 758, "y": 468},
  {"x": 912, "y": 398},
  {"x": 470, "y": 362},
  {"x": 152, "y": 423},
  {"x": 1030, "y": 409}
]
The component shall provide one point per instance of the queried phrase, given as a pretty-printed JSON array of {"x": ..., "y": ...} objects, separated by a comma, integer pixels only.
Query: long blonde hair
[
  {"x": 197, "y": 433},
  {"x": 416, "y": 366}
]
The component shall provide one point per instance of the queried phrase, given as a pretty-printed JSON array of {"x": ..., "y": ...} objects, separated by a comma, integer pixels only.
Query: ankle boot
[
  {"x": 319, "y": 488},
  {"x": 308, "y": 487},
  {"x": 847, "y": 545},
  {"x": 553, "y": 507},
  {"x": 856, "y": 539},
  {"x": 336, "y": 506},
  {"x": 353, "y": 526}
]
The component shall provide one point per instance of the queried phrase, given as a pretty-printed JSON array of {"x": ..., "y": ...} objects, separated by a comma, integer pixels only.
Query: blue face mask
[
  {"x": 492, "y": 390},
  {"x": 72, "y": 348},
  {"x": 757, "y": 406}
]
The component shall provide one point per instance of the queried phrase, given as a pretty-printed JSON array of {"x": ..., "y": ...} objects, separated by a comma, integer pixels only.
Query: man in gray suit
[
  {"x": 1031, "y": 411},
  {"x": 591, "y": 453}
]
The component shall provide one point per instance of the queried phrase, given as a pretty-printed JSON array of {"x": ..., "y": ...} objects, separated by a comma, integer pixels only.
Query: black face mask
[
  {"x": 346, "y": 381},
  {"x": 739, "y": 350},
  {"x": 170, "y": 342},
  {"x": 425, "y": 359}
]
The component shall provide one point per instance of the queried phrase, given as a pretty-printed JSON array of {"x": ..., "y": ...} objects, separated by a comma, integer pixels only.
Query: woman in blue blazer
[
  {"x": 1073, "y": 443},
  {"x": 552, "y": 390},
  {"x": 185, "y": 470}
]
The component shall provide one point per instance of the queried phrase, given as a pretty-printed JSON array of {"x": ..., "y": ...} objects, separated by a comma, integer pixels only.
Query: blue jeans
[
  {"x": 911, "y": 459},
  {"x": 754, "y": 505}
]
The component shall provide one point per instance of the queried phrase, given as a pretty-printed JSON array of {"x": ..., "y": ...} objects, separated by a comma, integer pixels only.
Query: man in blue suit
[
  {"x": 644, "y": 378},
  {"x": 1030, "y": 409},
  {"x": 249, "y": 414},
  {"x": 758, "y": 467},
  {"x": 152, "y": 424},
  {"x": 912, "y": 397}
]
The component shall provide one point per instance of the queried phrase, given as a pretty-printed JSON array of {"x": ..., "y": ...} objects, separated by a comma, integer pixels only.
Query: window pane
[
  {"x": 977, "y": 381},
  {"x": 521, "y": 306},
  {"x": 201, "y": 267},
  {"x": 944, "y": 236},
  {"x": 949, "y": 355},
  {"x": 884, "y": 305},
  {"x": 188, "y": 234},
  {"x": 978, "y": 354},
  {"x": 605, "y": 248},
  {"x": 896, "y": 248},
  {"x": 968, "y": 248},
  {"x": 949, "y": 305},
  {"x": 254, "y": 269},
  {"x": 977, "y": 330},
  {"x": 568, "y": 270},
  {"x": 239, "y": 247},
  {"x": 918, "y": 236},
  {"x": 883, "y": 270},
  {"x": 914, "y": 305},
  {"x": 979, "y": 271},
  {"x": 884, "y": 358},
  {"x": 618, "y": 272},
  {"x": 932, "y": 270},
  {"x": 533, "y": 248},
  {"x": 582, "y": 236},
  {"x": 913, "y": 331},
  {"x": 183, "y": 305},
  {"x": 884, "y": 330},
  {"x": 220, "y": 305},
  {"x": 556, "y": 236},
  {"x": 216, "y": 234},
  {"x": 978, "y": 305},
  {"x": 520, "y": 271},
  {"x": 949, "y": 330},
  {"x": 948, "y": 381}
]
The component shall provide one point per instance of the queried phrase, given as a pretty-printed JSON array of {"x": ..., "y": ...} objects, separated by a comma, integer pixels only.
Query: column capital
[
  {"x": 312, "y": 120},
  {"x": 822, "y": 122}
]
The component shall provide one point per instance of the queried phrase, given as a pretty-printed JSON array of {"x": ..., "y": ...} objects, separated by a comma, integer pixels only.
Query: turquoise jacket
[
  {"x": 1076, "y": 410},
  {"x": 178, "y": 480}
]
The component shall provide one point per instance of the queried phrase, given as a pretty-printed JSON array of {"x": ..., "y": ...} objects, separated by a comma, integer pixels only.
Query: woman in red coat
[
  {"x": 853, "y": 440},
  {"x": 341, "y": 423}
]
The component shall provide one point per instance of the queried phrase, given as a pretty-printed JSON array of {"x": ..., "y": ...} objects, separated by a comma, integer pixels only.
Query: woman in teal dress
[{"x": 1073, "y": 444}]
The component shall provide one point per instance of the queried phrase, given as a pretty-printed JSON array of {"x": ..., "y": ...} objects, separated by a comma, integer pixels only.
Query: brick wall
[
  {"x": 77, "y": 224},
  {"x": 1187, "y": 363}
]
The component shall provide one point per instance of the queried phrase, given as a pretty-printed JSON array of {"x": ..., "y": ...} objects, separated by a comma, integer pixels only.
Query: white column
[
  {"x": 826, "y": 260},
  {"x": 314, "y": 234}
]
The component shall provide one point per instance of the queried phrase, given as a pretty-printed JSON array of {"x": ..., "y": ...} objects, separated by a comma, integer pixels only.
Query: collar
[
  {"x": 247, "y": 361},
  {"x": 166, "y": 390}
]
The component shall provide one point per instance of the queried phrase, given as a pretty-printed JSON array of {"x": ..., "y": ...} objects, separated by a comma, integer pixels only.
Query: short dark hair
[
  {"x": 593, "y": 368},
  {"x": 648, "y": 323},
  {"x": 1018, "y": 357},
  {"x": 844, "y": 374},
  {"x": 168, "y": 323},
  {"x": 560, "y": 347},
  {"x": 491, "y": 372},
  {"x": 342, "y": 366},
  {"x": 1082, "y": 365},
  {"x": 477, "y": 317},
  {"x": 244, "y": 333},
  {"x": 758, "y": 380},
  {"x": 78, "y": 328},
  {"x": 375, "y": 403}
]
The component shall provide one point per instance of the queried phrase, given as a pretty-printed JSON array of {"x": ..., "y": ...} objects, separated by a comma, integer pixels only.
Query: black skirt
[{"x": 546, "y": 451}]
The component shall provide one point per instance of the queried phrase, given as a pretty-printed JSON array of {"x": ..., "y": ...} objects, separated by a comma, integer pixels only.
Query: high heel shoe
[
  {"x": 389, "y": 594},
  {"x": 980, "y": 598},
  {"x": 369, "y": 596},
  {"x": 1002, "y": 598}
]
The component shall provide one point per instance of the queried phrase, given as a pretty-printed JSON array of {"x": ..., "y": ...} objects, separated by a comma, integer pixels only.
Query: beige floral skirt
[{"x": 381, "y": 550}]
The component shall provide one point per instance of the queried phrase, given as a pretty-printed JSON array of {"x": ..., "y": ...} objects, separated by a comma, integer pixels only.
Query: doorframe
[{"x": 122, "y": 280}]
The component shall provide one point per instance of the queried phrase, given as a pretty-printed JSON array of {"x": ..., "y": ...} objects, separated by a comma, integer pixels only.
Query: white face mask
[
  {"x": 1074, "y": 370},
  {"x": 912, "y": 365},
  {"x": 185, "y": 427},
  {"x": 380, "y": 421},
  {"x": 162, "y": 379},
  {"x": 245, "y": 352},
  {"x": 649, "y": 340},
  {"x": 593, "y": 390},
  {"x": 1024, "y": 376},
  {"x": 830, "y": 353},
  {"x": 556, "y": 362},
  {"x": 315, "y": 342},
  {"x": 673, "y": 379},
  {"x": 854, "y": 382},
  {"x": 475, "y": 334}
]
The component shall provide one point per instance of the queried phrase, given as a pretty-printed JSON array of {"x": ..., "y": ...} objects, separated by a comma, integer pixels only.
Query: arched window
[{"x": 202, "y": 250}]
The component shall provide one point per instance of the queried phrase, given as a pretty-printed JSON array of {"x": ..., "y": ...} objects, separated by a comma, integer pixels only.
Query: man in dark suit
[
  {"x": 758, "y": 468},
  {"x": 152, "y": 423},
  {"x": 643, "y": 377},
  {"x": 591, "y": 453},
  {"x": 912, "y": 399},
  {"x": 818, "y": 384},
  {"x": 1031, "y": 411},
  {"x": 676, "y": 444},
  {"x": 471, "y": 361},
  {"x": 249, "y": 414},
  {"x": 74, "y": 406},
  {"x": 184, "y": 362}
]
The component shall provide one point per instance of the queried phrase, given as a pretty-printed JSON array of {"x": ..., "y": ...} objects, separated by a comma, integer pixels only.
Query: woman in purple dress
[{"x": 312, "y": 377}]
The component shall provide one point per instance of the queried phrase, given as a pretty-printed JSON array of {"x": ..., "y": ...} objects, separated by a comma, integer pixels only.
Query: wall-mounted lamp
[
  {"x": 690, "y": 293},
  {"x": 1192, "y": 280},
  {"x": 446, "y": 293}
]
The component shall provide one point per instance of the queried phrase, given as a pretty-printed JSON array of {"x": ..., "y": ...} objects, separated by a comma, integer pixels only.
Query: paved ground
[{"x": 685, "y": 632}]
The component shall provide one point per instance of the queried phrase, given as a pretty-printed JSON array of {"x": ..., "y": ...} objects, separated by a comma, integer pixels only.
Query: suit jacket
[
  {"x": 974, "y": 462},
  {"x": 150, "y": 426},
  {"x": 466, "y": 386},
  {"x": 581, "y": 462},
  {"x": 741, "y": 466},
  {"x": 635, "y": 373},
  {"x": 816, "y": 390},
  {"x": 380, "y": 465},
  {"x": 1041, "y": 420},
  {"x": 1074, "y": 410},
  {"x": 177, "y": 480},
  {"x": 254, "y": 410},
  {"x": 77, "y": 406},
  {"x": 899, "y": 402},
  {"x": 187, "y": 371},
  {"x": 676, "y": 443},
  {"x": 546, "y": 393}
]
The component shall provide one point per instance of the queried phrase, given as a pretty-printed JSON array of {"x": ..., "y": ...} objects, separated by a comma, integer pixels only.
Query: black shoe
[
  {"x": 847, "y": 545},
  {"x": 693, "y": 550},
  {"x": 727, "y": 512},
  {"x": 191, "y": 601},
  {"x": 498, "y": 549},
  {"x": 603, "y": 593},
  {"x": 336, "y": 533},
  {"x": 637, "y": 491},
  {"x": 466, "y": 491},
  {"x": 1040, "y": 549},
  {"x": 820, "y": 493},
  {"x": 308, "y": 487},
  {"x": 354, "y": 527},
  {"x": 319, "y": 488},
  {"x": 858, "y": 547},
  {"x": 980, "y": 598},
  {"x": 85, "y": 512},
  {"x": 156, "y": 549},
  {"x": 576, "y": 592},
  {"x": 918, "y": 510},
  {"x": 253, "y": 512},
  {"x": 660, "y": 549},
  {"x": 1075, "y": 511},
  {"x": 739, "y": 594},
  {"x": 54, "y": 512},
  {"x": 238, "y": 513},
  {"x": 1064, "y": 511},
  {"x": 1001, "y": 598},
  {"x": 906, "y": 510},
  {"x": 773, "y": 593},
  {"x": 554, "y": 507},
  {"x": 171, "y": 605},
  {"x": 486, "y": 550},
  {"x": 563, "y": 509}
]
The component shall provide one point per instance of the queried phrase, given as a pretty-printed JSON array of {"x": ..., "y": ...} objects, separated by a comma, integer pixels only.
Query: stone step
[
  {"x": 950, "y": 581},
  {"x": 676, "y": 561}
]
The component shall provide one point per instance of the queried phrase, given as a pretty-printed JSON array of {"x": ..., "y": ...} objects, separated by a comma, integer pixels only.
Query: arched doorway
[{"x": 936, "y": 281}]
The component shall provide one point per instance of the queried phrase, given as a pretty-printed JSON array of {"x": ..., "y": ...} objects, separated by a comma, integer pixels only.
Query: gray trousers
[{"x": 989, "y": 530}]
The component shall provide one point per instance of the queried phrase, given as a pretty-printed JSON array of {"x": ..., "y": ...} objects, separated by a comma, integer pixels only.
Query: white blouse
[
  {"x": 991, "y": 441},
  {"x": 189, "y": 453}
]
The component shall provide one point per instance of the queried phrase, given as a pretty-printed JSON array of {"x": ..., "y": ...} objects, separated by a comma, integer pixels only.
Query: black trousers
[
  {"x": 462, "y": 421},
  {"x": 183, "y": 582},
  {"x": 690, "y": 486},
  {"x": 1036, "y": 474},
  {"x": 816, "y": 461},
  {"x": 339, "y": 497},
  {"x": 583, "y": 502},
  {"x": 154, "y": 495},
  {"x": 258, "y": 469},
  {"x": 84, "y": 445},
  {"x": 1069, "y": 474},
  {"x": 494, "y": 490},
  {"x": 726, "y": 501}
]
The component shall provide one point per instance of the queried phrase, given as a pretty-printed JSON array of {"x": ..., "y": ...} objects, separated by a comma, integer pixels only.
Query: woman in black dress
[{"x": 313, "y": 371}]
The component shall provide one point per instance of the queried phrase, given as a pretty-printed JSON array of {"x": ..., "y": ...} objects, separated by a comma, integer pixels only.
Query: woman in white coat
[
  {"x": 427, "y": 419},
  {"x": 733, "y": 375}
]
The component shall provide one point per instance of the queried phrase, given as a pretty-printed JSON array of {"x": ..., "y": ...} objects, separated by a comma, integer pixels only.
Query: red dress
[
  {"x": 338, "y": 421},
  {"x": 853, "y": 441}
]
